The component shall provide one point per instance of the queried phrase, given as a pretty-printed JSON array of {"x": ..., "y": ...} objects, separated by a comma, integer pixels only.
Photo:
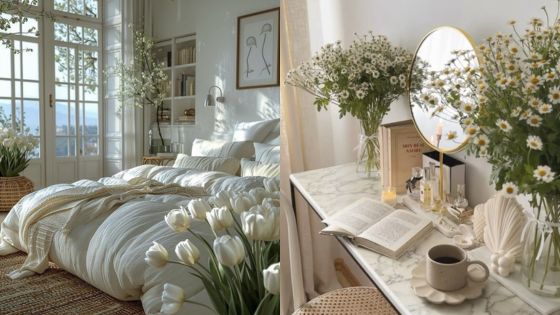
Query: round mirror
[{"x": 442, "y": 80}]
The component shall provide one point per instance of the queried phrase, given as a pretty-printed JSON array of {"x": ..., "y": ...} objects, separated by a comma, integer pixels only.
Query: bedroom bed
[{"x": 103, "y": 229}]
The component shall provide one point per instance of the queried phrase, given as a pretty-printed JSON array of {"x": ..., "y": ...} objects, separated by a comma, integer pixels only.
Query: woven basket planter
[{"x": 12, "y": 189}]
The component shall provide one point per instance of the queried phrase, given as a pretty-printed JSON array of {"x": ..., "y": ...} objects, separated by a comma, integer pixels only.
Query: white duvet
[{"x": 108, "y": 250}]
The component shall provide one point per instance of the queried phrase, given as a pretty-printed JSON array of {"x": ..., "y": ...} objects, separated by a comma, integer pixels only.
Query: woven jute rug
[{"x": 54, "y": 292}]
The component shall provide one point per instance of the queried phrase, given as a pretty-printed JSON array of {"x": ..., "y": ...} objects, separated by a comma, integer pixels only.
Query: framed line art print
[{"x": 258, "y": 49}]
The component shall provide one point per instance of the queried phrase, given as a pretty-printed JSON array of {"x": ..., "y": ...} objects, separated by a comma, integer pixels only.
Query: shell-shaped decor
[
  {"x": 504, "y": 224},
  {"x": 479, "y": 222}
]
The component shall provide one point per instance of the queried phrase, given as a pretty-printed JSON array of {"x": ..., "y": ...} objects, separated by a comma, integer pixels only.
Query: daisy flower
[
  {"x": 545, "y": 109},
  {"x": 534, "y": 143},
  {"x": 509, "y": 190},
  {"x": 503, "y": 125},
  {"x": 482, "y": 141},
  {"x": 554, "y": 95},
  {"x": 471, "y": 130},
  {"x": 394, "y": 80},
  {"x": 544, "y": 173},
  {"x": 516, "y": 111},
  {"x": 534, "y": 80},
  {"x": 467, "y": 107},
  {"x": 534, "y": 120},
  {"x": 452, "y": 135},
  {"x": 535, "y": 102},
  {"x": 550, "y": 76}
]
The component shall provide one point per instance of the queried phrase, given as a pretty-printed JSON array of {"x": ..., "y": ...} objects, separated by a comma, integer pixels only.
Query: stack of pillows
[{"x": 253, "y": 151}]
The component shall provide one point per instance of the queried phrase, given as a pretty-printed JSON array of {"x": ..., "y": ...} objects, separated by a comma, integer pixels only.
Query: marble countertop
[{"x": 331, "y": 189}]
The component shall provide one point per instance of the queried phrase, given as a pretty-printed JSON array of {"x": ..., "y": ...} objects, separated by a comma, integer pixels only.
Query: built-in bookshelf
[{"x": 179, "y": 56}]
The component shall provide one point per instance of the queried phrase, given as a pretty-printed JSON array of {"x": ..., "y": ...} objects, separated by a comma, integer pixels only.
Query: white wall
[
  {"x": 215, "y": 24},
  {"x": 405, "y": 22}
]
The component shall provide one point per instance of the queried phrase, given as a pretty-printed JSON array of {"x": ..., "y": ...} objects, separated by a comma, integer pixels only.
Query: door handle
[{"x": 51, "y": 101}]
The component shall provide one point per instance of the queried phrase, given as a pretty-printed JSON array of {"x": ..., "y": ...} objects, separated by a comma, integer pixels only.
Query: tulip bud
[
  {"x": 271, "y": 184},
  {"x": 261, "y": 224},
  {"x": 271, "y": 276},
  {"x": 178, "y": 220},
  {"x": 198, "y": 208},
  {"x": 156, "y": 256},
  {"x": 222, "y": 199},
  {"x": 187, "y": 252},
  {"x": 219, "y": 219},
  {"x": 271, "y": 203},
  {"x": 229, "y": 250},
  {"x": 172, "y": 298},
  {"x": 242, "y": 203},
  {"x": 258, "y": 194}
]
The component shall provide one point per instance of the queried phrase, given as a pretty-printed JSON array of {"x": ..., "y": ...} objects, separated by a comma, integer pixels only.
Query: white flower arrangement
[
  {"x": 242, "y": 274},
  {"x": 15, "y": 151}
]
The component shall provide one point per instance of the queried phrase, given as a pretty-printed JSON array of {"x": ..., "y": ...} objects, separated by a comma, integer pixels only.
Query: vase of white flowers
[
  {"x": 515, "y": 126},
  {"x": 363, "y": 80},
  {"x": 241, "y": 276},
  {"x": 15, "y": 151}
]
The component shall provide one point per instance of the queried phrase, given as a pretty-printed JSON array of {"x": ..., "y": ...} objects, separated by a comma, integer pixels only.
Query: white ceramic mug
[{"x": 447, "y": 268}]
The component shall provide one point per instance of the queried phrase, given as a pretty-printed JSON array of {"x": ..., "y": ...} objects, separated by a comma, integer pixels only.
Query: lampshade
[{"x": 211, "y": 100}]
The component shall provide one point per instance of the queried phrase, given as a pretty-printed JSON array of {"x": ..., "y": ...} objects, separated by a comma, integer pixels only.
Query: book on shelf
[
  {"x": 379, "y": 227},
  {"x": 186, "y": 55},
  {"x": 186, "y": 85}
]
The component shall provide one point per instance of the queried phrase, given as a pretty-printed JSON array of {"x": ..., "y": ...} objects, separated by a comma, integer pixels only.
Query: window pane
[
  {"x": 30, "y": 27},
  {"x": 72, "y": 146},
  {"x": 91, "y": 8},
  {"x": 61, "y": 31},
  {"x": 36, "y": 153},
  {"x": 61, "y": 119},
  {"x": 17, "y": 88},
  {"x": 90, "y": 120},
  {"x": 30, "y": 54},
  {"x": 90, "y": 36},
  {"x": 75, "y": 34},
  {"x": 19, "y": 125},
  {"x": 72, "y": 64},
  {"x": 72, "y": 119},
  {"x": 5, "y": 62},
  {"x": 61, "y": 64},
  {"x": 76, "y": 6},
  {"x": 30, "y": 89},
  {"x": 90, "y": 146},
  {"x": 17, "y": 60},
  {"x": 11, "y": 27},
  {"x": 88, "y": 75},
  {"x": 61, "y": 91},
  {"x": 61, "y": 146},
  {"x": 5, "y": 113},
  {"x": 61, "y": 5},
  {"x": 90, "y": 93},
  {"x": 31, "y": 116},
  {"x": 5, "y": 88}
]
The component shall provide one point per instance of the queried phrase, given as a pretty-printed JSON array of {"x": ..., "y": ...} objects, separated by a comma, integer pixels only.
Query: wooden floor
[{"x": 54, "y": 292}]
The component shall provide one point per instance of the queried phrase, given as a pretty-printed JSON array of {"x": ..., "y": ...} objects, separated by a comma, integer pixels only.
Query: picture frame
[{"x": 258, "y": 49}]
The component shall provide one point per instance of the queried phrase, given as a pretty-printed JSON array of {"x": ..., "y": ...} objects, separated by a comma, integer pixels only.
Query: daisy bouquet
[
  {"x": 363, "y": 80},
  {"x": 515, "y": 125}
]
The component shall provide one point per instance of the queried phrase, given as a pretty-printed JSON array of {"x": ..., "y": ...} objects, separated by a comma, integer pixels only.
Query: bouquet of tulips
[
  {"x": 15, "y": 151},
  {"x": 242, "y": 275}
]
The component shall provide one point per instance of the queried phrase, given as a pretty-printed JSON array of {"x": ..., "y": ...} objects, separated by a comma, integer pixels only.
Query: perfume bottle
[
  {"x": 413, "y": 184},
  {"x": 426, "y": 189},
  {"x": 434, "y": 184}
]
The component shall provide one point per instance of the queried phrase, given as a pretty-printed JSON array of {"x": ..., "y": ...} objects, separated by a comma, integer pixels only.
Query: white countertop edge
[{"x": 352, "y": 249}]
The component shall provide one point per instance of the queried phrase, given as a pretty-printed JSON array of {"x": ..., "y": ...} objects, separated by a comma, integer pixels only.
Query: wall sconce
[{"x": 210, "y": 100}]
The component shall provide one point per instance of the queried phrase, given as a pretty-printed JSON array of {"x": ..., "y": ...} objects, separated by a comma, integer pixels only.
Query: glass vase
[
  {"x": 368, "y": 153},
  {"x": 540, "y": 269}
]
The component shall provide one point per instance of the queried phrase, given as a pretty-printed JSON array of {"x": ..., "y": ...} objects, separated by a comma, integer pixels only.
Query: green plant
[{"x": 14, "y": 152}]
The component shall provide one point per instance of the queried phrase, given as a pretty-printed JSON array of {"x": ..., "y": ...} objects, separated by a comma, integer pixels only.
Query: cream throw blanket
[{"x": 71, "y": 206}]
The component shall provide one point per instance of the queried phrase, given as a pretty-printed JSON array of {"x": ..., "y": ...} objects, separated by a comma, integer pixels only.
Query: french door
[{"x": 55, "y": 91}]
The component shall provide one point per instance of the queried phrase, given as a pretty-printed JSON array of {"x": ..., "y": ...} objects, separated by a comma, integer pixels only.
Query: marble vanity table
[{"x": 331, "y": 189}]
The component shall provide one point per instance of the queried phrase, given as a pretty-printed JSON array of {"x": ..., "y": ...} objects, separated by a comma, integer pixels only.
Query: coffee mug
[{"x": 447, "y": 268}]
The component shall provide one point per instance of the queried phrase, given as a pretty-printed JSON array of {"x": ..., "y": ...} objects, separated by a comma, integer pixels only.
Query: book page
[
  {"x": 358, "y": 216},
  {"x": 396, "y": 229}
]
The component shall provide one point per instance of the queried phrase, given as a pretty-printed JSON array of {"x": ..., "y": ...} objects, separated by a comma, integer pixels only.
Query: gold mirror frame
[{"x": 477, "y": 55}]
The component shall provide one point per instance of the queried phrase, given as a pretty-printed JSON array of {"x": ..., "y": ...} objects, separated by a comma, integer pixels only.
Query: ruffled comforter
[{"x": 107, "y": 248}]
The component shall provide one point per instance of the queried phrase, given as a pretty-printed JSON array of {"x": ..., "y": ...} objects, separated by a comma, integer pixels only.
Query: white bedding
[{"x": 108, "y": 251}]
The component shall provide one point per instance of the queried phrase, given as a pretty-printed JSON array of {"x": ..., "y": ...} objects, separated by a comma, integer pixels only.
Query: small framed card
[{"x": 258, "y": 49}]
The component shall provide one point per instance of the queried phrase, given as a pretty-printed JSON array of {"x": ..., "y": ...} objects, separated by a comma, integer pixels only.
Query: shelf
[
  {"x": 180, "y": 123},
  {"x": 188, "y": 97},
  {"x": 185, "y": 65}
]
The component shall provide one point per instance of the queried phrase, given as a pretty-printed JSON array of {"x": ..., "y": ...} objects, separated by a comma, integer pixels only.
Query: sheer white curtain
[{"x": 310, "y": 140}]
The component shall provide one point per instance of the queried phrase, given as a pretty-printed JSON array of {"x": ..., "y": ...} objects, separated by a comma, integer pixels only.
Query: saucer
[{"x": 422, "y": 289}]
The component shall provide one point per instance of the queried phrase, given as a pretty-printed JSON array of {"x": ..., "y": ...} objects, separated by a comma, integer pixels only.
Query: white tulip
[
  {"x": 157, "y": 255},
  {"x": 271, "y": 203},
  {"x": 178, "y": 220},
  {"x": 242, "y": 203},
  {"x": 261, "y": 224},
  {"x": 258, "y": 194},
  {"x": 172, "y": 298},
  {"x": 198, "y": 208},
  {"x": 219, "y": 219},
  {"x": 187, "y": 252},
  {"x": 271, "y": 276},
  {"x": 222, "y": 199},
  {"x": 229, "y": 250},
  {"x": 271, "y": 184}
]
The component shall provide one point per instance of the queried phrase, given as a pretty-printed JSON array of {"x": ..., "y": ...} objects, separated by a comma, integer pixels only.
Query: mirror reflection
[{"x": 444, "y": 68}]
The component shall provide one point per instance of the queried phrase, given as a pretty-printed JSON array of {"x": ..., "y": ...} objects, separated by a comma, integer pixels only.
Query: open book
[{"x": 378, "y": 227}]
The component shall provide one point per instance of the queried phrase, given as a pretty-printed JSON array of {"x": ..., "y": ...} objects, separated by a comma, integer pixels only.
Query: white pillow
[
  {"x": 267, "y": 153},
  {"x": 256, "y": 131},
  {"x": 254, "y": 168},
  {"x": 207, "y": 163},
  {"x": 220, "y": 148}
]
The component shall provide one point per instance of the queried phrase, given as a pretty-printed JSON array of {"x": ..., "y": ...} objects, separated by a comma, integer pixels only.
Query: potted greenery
[
  {"x": 363, "y": 80},
  {"x": 15, "y": 151}
]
